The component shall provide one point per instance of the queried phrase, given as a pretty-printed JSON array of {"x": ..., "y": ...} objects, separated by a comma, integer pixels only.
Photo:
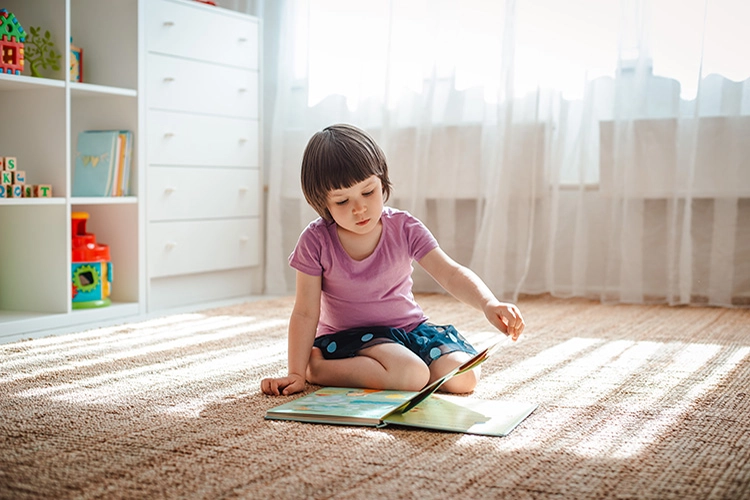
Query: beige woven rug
[{"x": 635, "y": 402}]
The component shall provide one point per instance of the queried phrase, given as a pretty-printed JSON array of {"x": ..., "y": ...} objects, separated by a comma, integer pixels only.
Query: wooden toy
[
  {"x": 16, "y": 191},
  {"x": 40, "y": 51},
  {"x": 91, "y": 266},
  {"x": 11, "y": 43},
  {"x": 42, "y": 191},
  {"x": 19, "y": 177},
  {"x": 28, "y": 191},
  {"x": 76, "y": 62},
  {"x": 6, "y": 177},
  {"x": 10, "y": 163}
]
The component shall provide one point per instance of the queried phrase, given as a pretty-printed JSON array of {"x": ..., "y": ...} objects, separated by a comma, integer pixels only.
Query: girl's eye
[
  {"x": 343, "y": 202},
  {"x": 368, "y": 193}
]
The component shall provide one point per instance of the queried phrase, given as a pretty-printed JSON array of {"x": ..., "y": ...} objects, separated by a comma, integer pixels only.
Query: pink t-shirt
[{"x": 375, "y": 291}]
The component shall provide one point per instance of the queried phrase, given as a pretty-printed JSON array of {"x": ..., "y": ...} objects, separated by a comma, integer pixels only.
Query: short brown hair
[{"x": 338, "y": 157}]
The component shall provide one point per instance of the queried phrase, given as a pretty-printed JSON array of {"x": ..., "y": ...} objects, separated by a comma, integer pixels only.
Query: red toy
[{"x": 91, "y": 266}]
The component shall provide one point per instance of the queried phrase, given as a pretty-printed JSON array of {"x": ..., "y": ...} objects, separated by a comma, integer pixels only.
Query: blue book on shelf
[{"x": 96, "y": 163}]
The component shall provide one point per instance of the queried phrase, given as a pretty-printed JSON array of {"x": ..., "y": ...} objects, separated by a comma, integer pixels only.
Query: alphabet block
[
  {"x": 10, "y": 163},
  {"x": 6, "y": 177},
  {"x": 28, "y": 191},
  {"x": 19, "y": 177},
  {"x": 3, "y": 191},
  {"x": 43, "y": 191},
  {"x": 16, "y": 191}
]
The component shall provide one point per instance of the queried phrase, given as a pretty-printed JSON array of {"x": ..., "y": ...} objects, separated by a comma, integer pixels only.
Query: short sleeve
[
  {"x": 306, "y": 256},
  {"x": 420, "y": 239}
]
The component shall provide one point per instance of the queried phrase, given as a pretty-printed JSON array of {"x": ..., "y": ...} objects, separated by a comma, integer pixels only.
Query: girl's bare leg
[
  {"x": 460, "y": 384},
  {"x": 383, "y": 366}
]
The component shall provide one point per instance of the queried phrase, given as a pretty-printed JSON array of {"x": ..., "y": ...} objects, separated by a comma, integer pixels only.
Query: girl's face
[{"x": 357, "y": 208}]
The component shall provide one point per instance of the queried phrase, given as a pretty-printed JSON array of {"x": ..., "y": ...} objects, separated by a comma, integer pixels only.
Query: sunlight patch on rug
[
  {"x": 120, "y": 347},
  {"x": 584, "y": 380}
]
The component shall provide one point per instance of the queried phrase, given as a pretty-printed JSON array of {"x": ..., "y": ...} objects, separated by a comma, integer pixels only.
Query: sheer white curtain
[{"x": 581, "y": 148}]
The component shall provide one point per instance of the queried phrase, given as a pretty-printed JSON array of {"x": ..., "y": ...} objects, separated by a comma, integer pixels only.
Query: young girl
[{"x": 355, "y": 322}]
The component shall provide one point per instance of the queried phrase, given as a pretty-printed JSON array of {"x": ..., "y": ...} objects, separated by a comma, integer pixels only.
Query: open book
[{"x": 424, "y": 409}]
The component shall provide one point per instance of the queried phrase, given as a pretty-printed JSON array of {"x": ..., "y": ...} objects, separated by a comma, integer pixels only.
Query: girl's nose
[{"x": 359, "y": 207}]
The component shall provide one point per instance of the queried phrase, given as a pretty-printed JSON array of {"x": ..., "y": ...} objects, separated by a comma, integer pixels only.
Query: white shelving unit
[{"x": 41, "y": 121}]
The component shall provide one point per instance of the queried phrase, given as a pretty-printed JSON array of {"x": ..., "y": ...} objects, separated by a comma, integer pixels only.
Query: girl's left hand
[{"x": 506, "y": 317}]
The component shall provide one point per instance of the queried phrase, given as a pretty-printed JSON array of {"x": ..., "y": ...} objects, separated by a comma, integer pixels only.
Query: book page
[
  {"x": 461, "y": 414},
  {"x": 342, "y": 405}
]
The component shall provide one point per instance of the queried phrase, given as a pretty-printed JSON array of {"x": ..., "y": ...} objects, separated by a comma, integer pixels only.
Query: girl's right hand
[{"x": 283, "y": 386}]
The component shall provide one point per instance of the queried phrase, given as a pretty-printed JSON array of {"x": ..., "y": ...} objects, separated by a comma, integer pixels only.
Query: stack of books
[{"x": 102, "y": 163}]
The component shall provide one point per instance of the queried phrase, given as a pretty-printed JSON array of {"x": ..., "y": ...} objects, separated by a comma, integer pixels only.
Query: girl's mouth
[{"x": 363, "y": 222}]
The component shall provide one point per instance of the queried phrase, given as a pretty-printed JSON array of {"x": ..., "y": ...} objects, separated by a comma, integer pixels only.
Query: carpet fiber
[{"x": 635, "y": 402}]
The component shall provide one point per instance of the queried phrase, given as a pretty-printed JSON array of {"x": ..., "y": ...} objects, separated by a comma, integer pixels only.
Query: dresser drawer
[
  {"x": 200, "y": 246},
  {"x": 201, "y": 32},
  {"x": 182, "y": 85},
  {"x": 180, "y": 193},
  {"x": 199, "y": 140}
]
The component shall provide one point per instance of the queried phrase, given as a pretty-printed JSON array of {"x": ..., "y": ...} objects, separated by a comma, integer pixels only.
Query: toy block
[
  {"x": 6, "y": 177},
  {"x": 10, "y": 163},
  {"x": 16, "y": 191},
  {"x": 28, "y": 191},
  {"x": 3, "y": 191},
  {"x": 42, "y": 191},
  {"x": 19, "y": 177},
  {"x": 2, "y": 163}
]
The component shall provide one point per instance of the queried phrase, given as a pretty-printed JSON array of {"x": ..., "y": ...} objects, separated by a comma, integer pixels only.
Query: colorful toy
[
  {"x": 42, "y": 190},
  {"x": 40, "y": 51},
  {"x": 12, "y": 43},
  {"x": 91, "y": 266},
  {"x": 76, "y": 62},
  {"x": 13, "y": 182}
]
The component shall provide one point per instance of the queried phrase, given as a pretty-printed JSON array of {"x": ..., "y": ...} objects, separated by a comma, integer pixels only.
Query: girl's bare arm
[
  {"x": 302, "y": 326},
  {"x": 466, "y": 286}
]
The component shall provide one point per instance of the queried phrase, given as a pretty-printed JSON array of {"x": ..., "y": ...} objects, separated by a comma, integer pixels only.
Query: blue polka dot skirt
[{"x": 427, "y": 341}]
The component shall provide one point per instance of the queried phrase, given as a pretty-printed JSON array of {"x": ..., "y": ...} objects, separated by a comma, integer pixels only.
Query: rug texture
[{"x": 634, "y": 402}]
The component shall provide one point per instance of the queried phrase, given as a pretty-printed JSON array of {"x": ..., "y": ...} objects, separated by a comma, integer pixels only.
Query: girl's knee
[
  {"x": 461, "y": 384},
  {"x": 412, "y": 376},
  {"x": 313, "y": 365}
]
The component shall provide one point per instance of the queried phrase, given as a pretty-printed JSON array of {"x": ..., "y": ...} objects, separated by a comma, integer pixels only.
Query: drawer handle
[
  {"x": 168, "y": 23},
  {"x": 169, "y": 134},
  {"x": 170, "y": 190},
  {"x": 242, "y": 39},
  {"x": 244, "y": 239},
  {"x": 243, "y": 189},
  {"x": 170, "y": 245},
  {"x": 168, "y": 79},
  {"x": 242, "y": 89},
  {"x": 243, "y": 139}
]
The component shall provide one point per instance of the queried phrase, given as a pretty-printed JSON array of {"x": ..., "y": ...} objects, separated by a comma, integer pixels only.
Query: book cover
[
  {"x": 96, "y": 163},
  {"x": 423, "y": 409}
]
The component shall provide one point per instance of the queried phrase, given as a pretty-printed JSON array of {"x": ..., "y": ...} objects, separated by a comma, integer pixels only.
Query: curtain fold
[{"x": 572, "y": 148}]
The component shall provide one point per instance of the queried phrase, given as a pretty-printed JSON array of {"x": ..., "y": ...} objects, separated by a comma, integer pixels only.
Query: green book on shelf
[{"x": 423, "y": 409}]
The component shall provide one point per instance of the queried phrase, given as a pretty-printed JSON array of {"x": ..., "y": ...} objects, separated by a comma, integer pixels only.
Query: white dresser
[{"x": 202, "y": 144}]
